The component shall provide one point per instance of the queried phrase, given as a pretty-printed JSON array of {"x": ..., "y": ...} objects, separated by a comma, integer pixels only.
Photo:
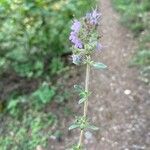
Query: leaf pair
[
  {"x": 82, "y": 123},
  {"x": 74, "y": 126},
  {"x": 83, "y": 94}
]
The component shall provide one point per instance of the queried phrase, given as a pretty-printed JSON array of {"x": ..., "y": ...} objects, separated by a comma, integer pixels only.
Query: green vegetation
[
  {"x": 34, "y": 32},
  {"x": 33, "y": 45},
  {"x": 136, "y": 16}
]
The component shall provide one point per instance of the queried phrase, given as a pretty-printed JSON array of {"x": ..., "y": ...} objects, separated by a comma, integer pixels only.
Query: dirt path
[{"x": 120, "y": 102}]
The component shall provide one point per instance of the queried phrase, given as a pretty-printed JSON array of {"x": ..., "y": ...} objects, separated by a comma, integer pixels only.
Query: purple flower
[
  {"x": 74, "y": 34},
  {"x": 76, "y": 26},
  {"x": 77, "y": 59},
  {"x": 75, "y": 40},
  {"x": 93, "y": 17},
  {"x": 78, "y": 43}
]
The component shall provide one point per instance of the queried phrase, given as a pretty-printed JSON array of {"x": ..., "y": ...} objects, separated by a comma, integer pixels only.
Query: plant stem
[{"x": 86, "y": 102}]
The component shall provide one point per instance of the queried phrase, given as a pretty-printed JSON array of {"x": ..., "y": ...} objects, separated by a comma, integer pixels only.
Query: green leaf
[
  {"x": 18, "y": 55},
  {"x": 44, "y": 94},
  {"x": 99, "y": 66},
  {"x": 82, "y": 94},
  {"x": 76, "y": 147},
  {"x": 73, "y": 126},
  {"x": 12, "y": 104},
  {"x": 78, "y": 88},
  {"x": 82, "y": 100},
  {"x": 93, "y": 127}
]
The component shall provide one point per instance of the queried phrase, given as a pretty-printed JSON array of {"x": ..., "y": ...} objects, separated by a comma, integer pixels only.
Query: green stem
[{"x": 86, "y": 102}]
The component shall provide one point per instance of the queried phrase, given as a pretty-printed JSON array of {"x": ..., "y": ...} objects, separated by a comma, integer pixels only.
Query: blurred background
[
  {"x": 36, "y": 72},
  {"x": 135, "y": 14}
]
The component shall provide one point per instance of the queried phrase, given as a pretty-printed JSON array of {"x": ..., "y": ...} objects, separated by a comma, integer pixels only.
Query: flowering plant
[{"x": 84, "y": 38}]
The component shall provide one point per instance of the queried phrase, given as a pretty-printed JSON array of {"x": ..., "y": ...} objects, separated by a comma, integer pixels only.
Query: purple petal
[
  {"x": 76, "y": 26},
  {"x": 93, "y": 17}
]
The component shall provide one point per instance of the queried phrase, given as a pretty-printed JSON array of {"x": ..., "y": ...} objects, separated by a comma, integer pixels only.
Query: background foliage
[
  {"x": 32, "y": 33},
  {"x": 33, "y": 44},
  {"x": 136, "y": 16}
]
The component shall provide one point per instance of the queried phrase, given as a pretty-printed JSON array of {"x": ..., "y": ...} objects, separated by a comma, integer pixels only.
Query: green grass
[{"x": 136, "y": 16}]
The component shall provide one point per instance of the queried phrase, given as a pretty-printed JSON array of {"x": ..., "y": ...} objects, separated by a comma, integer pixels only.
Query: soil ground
[{"x": 119, "y": 104}]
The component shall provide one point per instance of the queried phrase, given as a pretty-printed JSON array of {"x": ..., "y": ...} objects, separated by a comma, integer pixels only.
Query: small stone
[
  {"x": 113, "y": 78},
  {"x": 103, "y": 139},
  {"x": 53, "y": 137},
  {"x": 127, "y": 92},
  {"x": 39, "y": 147},
  {"x": 12, "y": 133},
  {"x": 97, "y": 95},
  {"x": 88, "y": 135},
  {"x": 101, "y": 109}
]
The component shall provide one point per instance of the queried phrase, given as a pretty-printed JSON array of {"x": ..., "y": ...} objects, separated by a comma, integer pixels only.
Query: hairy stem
[{"x": 86, "y": 102}]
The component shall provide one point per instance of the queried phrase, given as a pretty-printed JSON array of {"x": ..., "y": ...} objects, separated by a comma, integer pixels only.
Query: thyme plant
[{"x": 84, "y": 38}]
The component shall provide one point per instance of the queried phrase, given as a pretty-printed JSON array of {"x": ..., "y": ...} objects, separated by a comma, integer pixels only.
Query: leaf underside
[{"x": 99, "y": 66}]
